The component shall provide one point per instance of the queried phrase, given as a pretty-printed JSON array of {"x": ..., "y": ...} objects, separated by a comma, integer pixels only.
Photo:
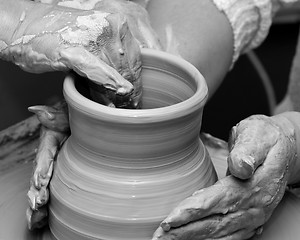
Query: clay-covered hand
[
  {"x": 135, "y": 14},
  {"x": 54, "y": 131},
  {"x": 261, "y": 160},
  {"x": 95, "y": 41},
  {"x": 135, "y": 29}
]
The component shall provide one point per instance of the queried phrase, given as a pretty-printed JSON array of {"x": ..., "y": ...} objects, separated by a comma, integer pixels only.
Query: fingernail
[
  {"x": 197, "y": 192},
  {"x": 165, "y": 226},
  {"x": 35, "y": 109},
  {"x": 158, "y": 234},
  {"x": 259, "y": 230},
  {"x": 124, "y": 90},
  {"x": 41, "y": 109},
  {"x": 242, "y": 167}
]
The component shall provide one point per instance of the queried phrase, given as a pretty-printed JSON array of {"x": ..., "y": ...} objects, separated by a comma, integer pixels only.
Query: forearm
[
  {"x": 213, "y": 33},
  {"x": 25, "y": 29},
  {"x": 13, "y": 14},
  {"x": 290, "y": 123},
  {"x": 203, "y": 35},
  {"x": 34, "y": 39},
  {"x": 20, "y": 23},
  {"x": 10, "y": 12}
]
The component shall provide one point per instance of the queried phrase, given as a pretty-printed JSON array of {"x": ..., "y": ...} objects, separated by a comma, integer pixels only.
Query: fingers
[
  {"x": 50, "y": 141},
  {"x": 227, "y": 195},
  {"x": 239, "y": 235},
  {"x": 138, "y": 21},
  {"x": 36, "y": 218},
  {"x": 250, "y": 142},
  {"x": 242, "y": 234},
  {"x": 231, "y": 223},
  {"x": 41, "y": 177},
  {"x": 54, "y": 118},
  {"x": 271, "y": 178},
  {"x": 122, "y": 52},
  {"x": 37, "y": 197},
  {"x": 203, "y": 203},
  {"x": 91, "y": 67},
  {"x": 237, "y": 225},
  {"x": 38, "y": 193}
]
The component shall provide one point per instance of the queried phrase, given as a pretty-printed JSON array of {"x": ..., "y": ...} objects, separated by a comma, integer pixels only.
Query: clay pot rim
[{"x": 183, "y": 108}]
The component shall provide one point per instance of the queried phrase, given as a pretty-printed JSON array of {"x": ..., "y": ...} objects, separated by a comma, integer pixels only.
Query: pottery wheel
[{"x": 14, "y": 184}]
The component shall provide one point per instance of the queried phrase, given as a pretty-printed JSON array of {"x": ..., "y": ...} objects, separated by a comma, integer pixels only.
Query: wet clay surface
[{"x": 14, "y": 184}]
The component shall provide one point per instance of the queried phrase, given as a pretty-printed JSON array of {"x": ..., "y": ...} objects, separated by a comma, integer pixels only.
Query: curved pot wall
[{"x": 122, "y": 171}]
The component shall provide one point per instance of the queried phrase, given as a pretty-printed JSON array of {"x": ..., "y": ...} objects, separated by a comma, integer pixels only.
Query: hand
[
  {"x": 139, "y": 26},
  {"x": 138, "y": 21},
  {"x": 97, "y": 43},
  {"x": 261, "y": 159},
  {"x": 54, "y": 131},
  {"x": 136, "y": 16}
]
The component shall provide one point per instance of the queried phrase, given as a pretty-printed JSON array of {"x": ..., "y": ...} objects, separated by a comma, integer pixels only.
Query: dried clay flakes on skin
[
  {"x": 46, "y": 1},
  {"x": 80, "y": 4},
  {"x": 90, "y": 27},
  {"x": 23, "y": 40},
  {"x": 3, "y": 45}
]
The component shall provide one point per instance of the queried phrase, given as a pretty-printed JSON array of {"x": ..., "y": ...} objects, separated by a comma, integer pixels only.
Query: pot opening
[{"x": 161, "y": 88}]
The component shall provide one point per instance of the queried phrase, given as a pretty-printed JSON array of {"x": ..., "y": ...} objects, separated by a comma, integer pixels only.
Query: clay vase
[{"x": 122, "y": 171}]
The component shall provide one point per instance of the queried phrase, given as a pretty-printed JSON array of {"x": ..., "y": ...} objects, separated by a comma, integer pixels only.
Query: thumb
[{"x": 249, "y": 144}]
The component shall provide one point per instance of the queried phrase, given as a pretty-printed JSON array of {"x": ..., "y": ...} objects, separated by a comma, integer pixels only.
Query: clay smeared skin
[
  {"x": 125, "y": 59},
  {"x": 234, "y": 208},
  {"x": 32, "y": 51},
  {"x": 136, "y": 16},
  {"x": 55, "y": 130},
  {"x": 54, "y": 118},
  {"x": 101, "y": 43}
]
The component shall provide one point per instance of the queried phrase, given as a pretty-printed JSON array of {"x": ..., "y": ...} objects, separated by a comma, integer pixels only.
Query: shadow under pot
[{"x": 122, "y": 171}]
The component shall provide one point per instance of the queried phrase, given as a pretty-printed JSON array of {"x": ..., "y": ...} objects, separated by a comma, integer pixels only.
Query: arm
[
  {"x": 11, "y": 12},
  {"x": 186, "y": 28},
  {"x": 211, "y": 34}
]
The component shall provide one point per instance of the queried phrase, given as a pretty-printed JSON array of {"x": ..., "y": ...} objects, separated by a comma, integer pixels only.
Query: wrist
[{"x": 290, "y": 125}]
